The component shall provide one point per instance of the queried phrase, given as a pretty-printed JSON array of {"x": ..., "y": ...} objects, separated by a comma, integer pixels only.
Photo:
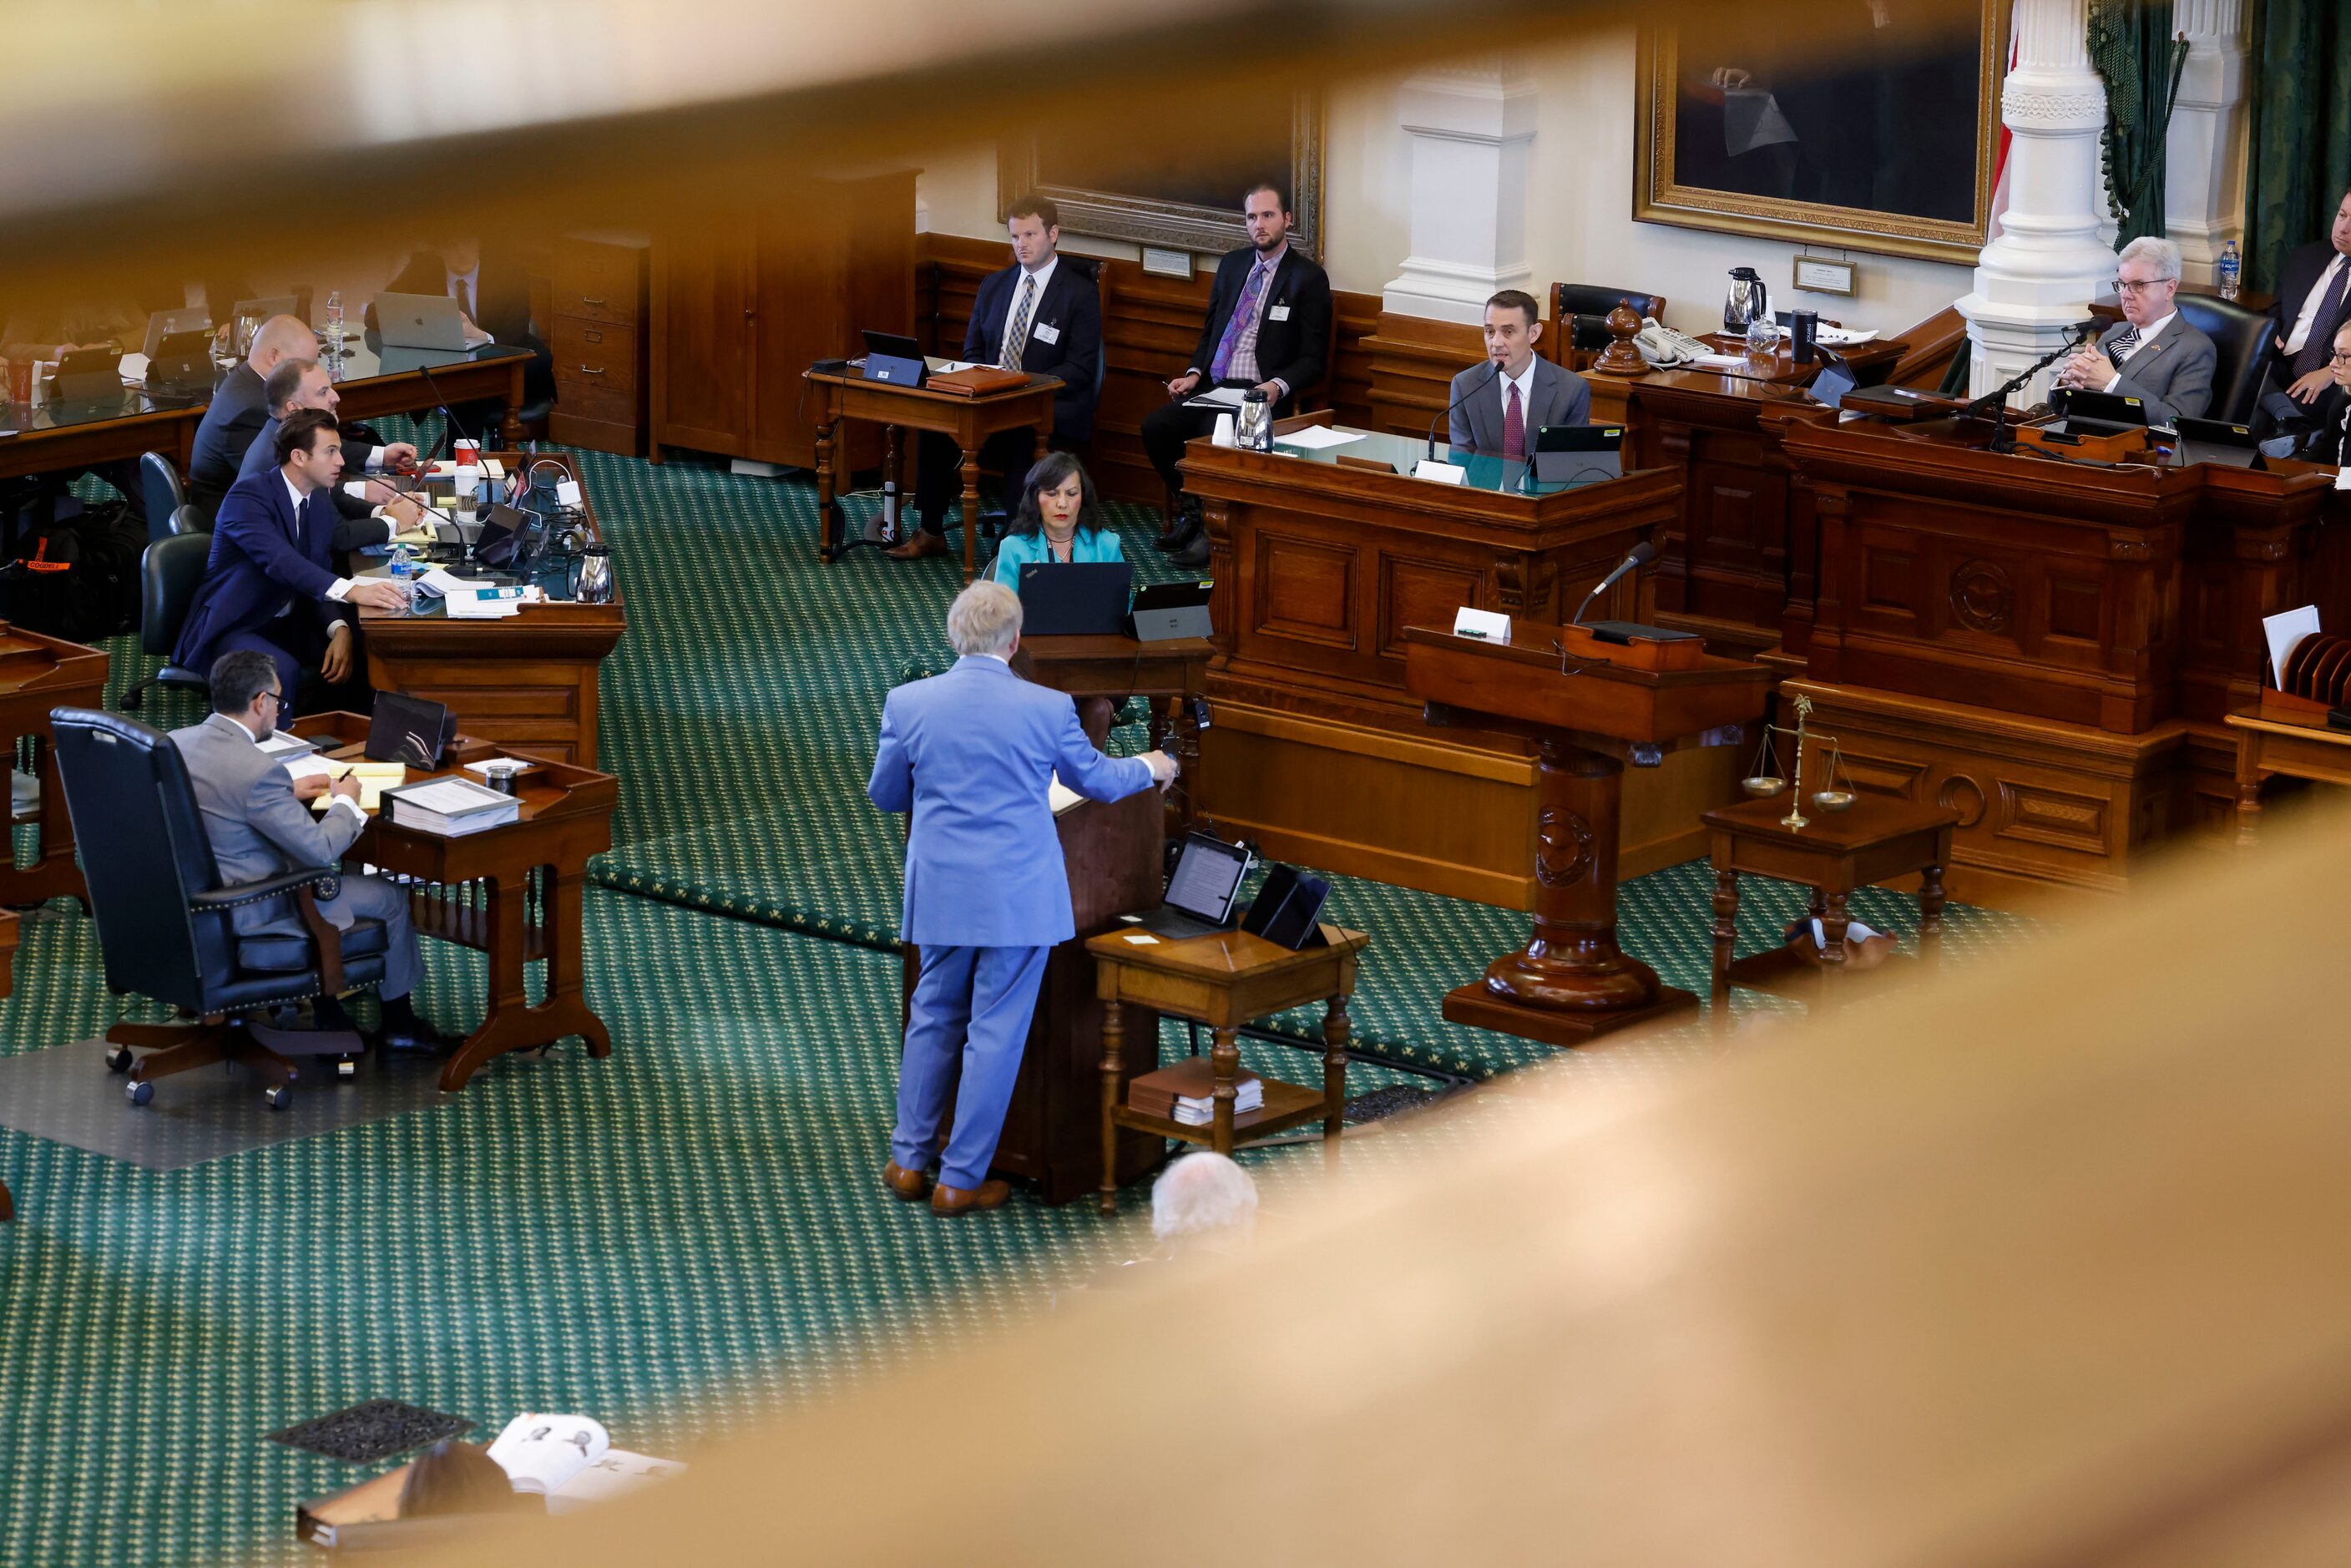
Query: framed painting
[
  {"x": 1870, "y": 125},
  {"x": 1185, "y": 195}
]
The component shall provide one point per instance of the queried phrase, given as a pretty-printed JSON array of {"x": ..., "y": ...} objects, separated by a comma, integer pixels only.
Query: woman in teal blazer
[{"x": 1059, "y": 520}]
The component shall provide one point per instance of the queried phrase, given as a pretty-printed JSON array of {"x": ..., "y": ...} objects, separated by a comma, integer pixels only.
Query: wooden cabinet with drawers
[{"x": 598, "y": 335}]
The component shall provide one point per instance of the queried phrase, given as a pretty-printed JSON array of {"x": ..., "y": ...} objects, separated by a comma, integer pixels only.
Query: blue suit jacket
[
  {"x": 970, "y": 753},
  {"x": 1071, "y": 309},
  {"x": 262, "y": 558}
]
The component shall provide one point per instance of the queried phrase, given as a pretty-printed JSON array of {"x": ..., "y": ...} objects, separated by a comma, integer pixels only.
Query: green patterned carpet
[{"x": 681, "y": 1237}]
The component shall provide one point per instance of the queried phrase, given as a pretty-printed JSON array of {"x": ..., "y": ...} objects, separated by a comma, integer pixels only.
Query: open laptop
[
  {"x": 1569, "y": 454},
  {"x": 1075, "y": 599},
  {"x": 2215, "y": 441},
  {"x": 1202, "y": 890},
  {"x": 420, "y": 321},
  {"x": 168, "y": 323},
  {"x": 2101, "y": 413}
]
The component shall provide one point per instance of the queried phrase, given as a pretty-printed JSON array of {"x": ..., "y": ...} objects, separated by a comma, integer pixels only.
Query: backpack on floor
[{"x": 74, "y": 573}]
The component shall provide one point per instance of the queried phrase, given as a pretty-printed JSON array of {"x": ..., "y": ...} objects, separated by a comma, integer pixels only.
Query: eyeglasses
[
  {"x": 2342, "y": 356},
  {"x": 2122, "y": 287}
]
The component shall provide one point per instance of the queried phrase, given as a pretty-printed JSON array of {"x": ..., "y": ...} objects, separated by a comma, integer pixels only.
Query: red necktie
[{"x": 1514, "y": 428}]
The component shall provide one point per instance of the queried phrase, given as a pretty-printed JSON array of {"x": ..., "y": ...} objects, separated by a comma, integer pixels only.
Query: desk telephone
[{"x": 1661, "y": 345}]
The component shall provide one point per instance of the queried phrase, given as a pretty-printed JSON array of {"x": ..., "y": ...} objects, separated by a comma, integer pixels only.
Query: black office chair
[
  {"x": 169, "y": 572},
  {"x": 165, "y": 925},
  {"x": 159, "y": 487},
  {"x": 1580, "y": 313},
  {"x": 188, "y": 520},
  {"x": 2241, "y": 338}
]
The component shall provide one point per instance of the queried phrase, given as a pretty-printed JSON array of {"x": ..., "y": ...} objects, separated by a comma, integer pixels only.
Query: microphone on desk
[
  {"x": 1641, "y": 555},
  {"x": 1458, "y": 402}
]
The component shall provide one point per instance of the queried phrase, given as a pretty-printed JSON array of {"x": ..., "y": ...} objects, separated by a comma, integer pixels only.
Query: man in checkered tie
[
  {"x": 1042, "y": 314},
  {"x": 1268, "y": 326},
  {"x": 2153, "y": 355},
  {"x": 1497, "y": 406}
]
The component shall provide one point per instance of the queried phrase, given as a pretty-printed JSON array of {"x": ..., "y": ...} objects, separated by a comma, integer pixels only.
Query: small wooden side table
[
  {"x": 2274, "y": 743},
  {"x": 1835, "y": 851},
  {"x": 1224, "y": 979}
]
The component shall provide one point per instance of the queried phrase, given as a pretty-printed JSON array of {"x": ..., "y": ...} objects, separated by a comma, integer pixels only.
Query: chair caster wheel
[
  {"x": 277, "y": 1096},
  {"x": 140, "y": 1093},
  {"x": 346, "y": 1069},
  {"x": 118, "y": 1060}
]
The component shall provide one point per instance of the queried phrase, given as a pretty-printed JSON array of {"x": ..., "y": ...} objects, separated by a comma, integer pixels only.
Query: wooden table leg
[
  {"x": 1225, "y": 1059},
  {"x": 511, "y": 1023},
  {"x": 1726, "y": 937},
  {"x": 1113, "y": 1044},
  {"x": 828, "y": 522},
  {"x": 1930, "y": 916},
  {"x": 1185, "y": 735},
  {"x": 2249, "y": 791},
  {"x": 971, "y": 510},
  {"x": 566, "y": 1008},
  {"x": 1337, "y": 1029}
]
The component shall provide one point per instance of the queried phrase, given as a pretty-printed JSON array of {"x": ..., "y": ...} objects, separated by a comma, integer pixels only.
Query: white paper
[
  {"x": 2343, "y": 478},
  {"x": 134, "y": 367},
  {"x": 1059, "y": 795},
  {"x": 1222, "y": 397},
  {"x": 2284, "y": 633},
  {"x": 1855, "y": 933},
  {"x": 1443, "y": 473},
  {"x": 453, "y": 797},
  {"x": 539, "y": 1453},
  {"x": 1315, "y": 437},
  {"x": 948, "y": 367},
  {"x": 309, "y": 765},
  {"x": 616, "y": 1474},
  {"x": 1721, "y": 361}
]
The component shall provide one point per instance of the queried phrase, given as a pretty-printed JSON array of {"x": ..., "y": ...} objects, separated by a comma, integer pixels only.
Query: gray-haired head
[
  {"x": 2158, "y": 253},
  {"x": 1203, "y": 1195},
  {"x": 984, "y": 619}
]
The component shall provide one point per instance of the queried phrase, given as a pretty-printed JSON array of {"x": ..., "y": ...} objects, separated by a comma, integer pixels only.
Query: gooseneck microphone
[
  {"x": 1458, "y": 402},
  {"x": 1641, "y": 555}
]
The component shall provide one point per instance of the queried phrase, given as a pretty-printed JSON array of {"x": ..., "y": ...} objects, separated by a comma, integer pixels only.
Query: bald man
[{"x": 238, "y": 409}]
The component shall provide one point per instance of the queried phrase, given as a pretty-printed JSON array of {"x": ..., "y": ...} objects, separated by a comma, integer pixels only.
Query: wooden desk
[
  {"x": 567, "y": 816},
  {"x": 37, "y": 673},
  {"x": 529, "y": 682},
  {"x": 1875, "y": 839},
  {"x": 2279, "y": 743},
  {"x": 1115, "y": 668},
  {"x": 969, "y": 421},
  {"x": 1223, "y": 980}
]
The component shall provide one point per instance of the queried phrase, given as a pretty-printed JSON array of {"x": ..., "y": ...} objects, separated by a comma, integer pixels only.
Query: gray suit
[
  {"x": 1555, "y": 397},
  {"x": 258, "y": 828},
  {"x": 2171, "y": 373}
]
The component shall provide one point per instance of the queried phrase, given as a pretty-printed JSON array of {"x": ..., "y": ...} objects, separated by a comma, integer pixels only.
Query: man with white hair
[
  {"x": 2152, "y": 354},
  {"x": 1204, "y": 1200},
  {"x": 972, "y": 754}
]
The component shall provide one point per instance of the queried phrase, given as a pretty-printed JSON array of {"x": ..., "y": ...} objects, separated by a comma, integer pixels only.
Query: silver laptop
[
  {"x": 164, "y": 323},
  {"x": 420, "y": 321}
]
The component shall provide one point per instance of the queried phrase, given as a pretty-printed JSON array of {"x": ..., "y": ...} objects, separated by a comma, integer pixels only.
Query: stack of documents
[
  {"x": 374, "y": 777},
  {"x": 281, "y": 746},
  {"x": 470, "y": 600},
  {"x": 1186, "y": 1093},
  {"x": 451, "y": 807}
]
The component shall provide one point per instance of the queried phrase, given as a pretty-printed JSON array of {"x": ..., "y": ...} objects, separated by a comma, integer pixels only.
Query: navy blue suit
[
  {"x": 971, "y": 754},
  {"x": 266, "y": 581},
  {"x": 1069, "y": 313},
  {"x": 361, "y": 526}
]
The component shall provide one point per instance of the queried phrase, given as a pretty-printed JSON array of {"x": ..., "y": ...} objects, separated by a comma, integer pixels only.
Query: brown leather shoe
[
  {"x": 904, "y": 1182},
  {"x": 945, "y": 1199},
  {"x": 923, "y": 543}
]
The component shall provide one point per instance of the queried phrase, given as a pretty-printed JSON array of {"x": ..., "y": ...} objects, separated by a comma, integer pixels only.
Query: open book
[{"x": 571, "y": 1460}]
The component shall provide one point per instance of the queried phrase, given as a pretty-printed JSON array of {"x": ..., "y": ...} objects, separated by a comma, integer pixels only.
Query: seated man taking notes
[
  {"x": 268, "y": 584},
  {"x": 1497, "y": 406}
]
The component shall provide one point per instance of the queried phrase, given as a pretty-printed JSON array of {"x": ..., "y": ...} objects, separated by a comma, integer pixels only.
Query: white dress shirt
[
  {"x": 2309, "y": 316},
  {"x": 341, "y": 585},
  {"x": 1044, "y": 275},
  {"x": 2146, "y": 334}
]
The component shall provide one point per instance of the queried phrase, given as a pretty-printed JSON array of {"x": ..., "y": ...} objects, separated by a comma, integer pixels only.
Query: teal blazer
[{"x": 1018, "y": 551}]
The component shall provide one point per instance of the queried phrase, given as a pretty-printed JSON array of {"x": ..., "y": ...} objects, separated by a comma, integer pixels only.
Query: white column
[
  {"x": 2202, "y": 195},
  {"x": 1470, "y": 127},
  {"x": 2038, "y": 277}
]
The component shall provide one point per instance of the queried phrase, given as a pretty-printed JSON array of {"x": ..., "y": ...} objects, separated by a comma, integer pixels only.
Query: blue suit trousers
[{"x": 973, "y": 1003}]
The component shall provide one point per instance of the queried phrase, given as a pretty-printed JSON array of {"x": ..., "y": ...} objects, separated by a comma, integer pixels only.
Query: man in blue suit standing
[
  {"x": 972, "y": 754},
  {"x": 268, "y": 584}
]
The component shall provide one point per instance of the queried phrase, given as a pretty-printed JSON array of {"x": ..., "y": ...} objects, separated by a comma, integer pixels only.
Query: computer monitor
[
  {"x": 2101, "y": 413},
  {"x": 1075, "y": 599},
  {"x": 1573, "y": 453}
]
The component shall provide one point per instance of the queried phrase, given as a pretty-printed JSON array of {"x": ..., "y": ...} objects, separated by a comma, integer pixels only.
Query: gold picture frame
[
  {"x": 1663, "y": 193},
  {"x": 1179, "y": 221}
]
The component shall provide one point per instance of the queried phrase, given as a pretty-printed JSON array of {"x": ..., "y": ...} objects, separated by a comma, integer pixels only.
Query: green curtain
[
  {"x": 2299, "y": 164},
  {"x": 2135, "y": 54}
]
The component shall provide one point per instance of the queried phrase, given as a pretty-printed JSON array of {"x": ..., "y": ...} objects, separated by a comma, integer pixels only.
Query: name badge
[
  {"x": 1279, "y": 313},
  {"x": 1047, "y": 332}
]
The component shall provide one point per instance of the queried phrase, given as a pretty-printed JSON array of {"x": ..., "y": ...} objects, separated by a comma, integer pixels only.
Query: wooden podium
[
  {"x": 1052, "y": 1131},
  {"x": 1590, "y": 706}
]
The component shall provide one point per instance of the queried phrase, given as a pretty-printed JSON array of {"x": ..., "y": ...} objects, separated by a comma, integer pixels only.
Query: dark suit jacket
[
  {"x": 358, "y": 523},
  {"x": 2296, "y": 278},
  {"x": 2325, "y": 442},
  {"x": 1295, "y": 349},
  {"x": 1071, "y": 309},
  {"x": 237, "y": 412},
  {"x": 262, "y": 559}
]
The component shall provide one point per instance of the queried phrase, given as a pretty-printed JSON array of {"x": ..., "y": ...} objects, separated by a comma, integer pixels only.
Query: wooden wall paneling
[
  {"x": 1412, "y": 363},
  {"x": 702, "y": 338}
]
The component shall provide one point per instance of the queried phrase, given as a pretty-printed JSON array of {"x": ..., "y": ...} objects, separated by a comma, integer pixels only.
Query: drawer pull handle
[
  {"x": 591, "y": 370},
  {"x": 585, "y": 301}
]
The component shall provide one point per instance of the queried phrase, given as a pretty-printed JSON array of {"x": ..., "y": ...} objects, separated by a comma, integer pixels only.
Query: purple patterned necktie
[{"x": 1244, "y": 314}]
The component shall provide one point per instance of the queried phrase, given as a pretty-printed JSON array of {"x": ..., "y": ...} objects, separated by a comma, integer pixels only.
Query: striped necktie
[
  {"x": 1016, "y": 341},
  {"x": 2122, "y": 343}
]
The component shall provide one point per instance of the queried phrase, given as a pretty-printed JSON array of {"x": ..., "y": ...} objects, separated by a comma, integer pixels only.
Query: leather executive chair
[
  {"x": 159, "y": 488},
  {"x": 2242, "y": 339},
  {"x": 168, "y": 572},
  {"x": 164, "y": 923}
]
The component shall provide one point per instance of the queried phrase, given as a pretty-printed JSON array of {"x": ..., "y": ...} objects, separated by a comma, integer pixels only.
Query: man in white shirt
[
  {"x": 2153, "y": 354},
  {"x": 2314, "y": 300},
  {"x": 259, "y": 825}
]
